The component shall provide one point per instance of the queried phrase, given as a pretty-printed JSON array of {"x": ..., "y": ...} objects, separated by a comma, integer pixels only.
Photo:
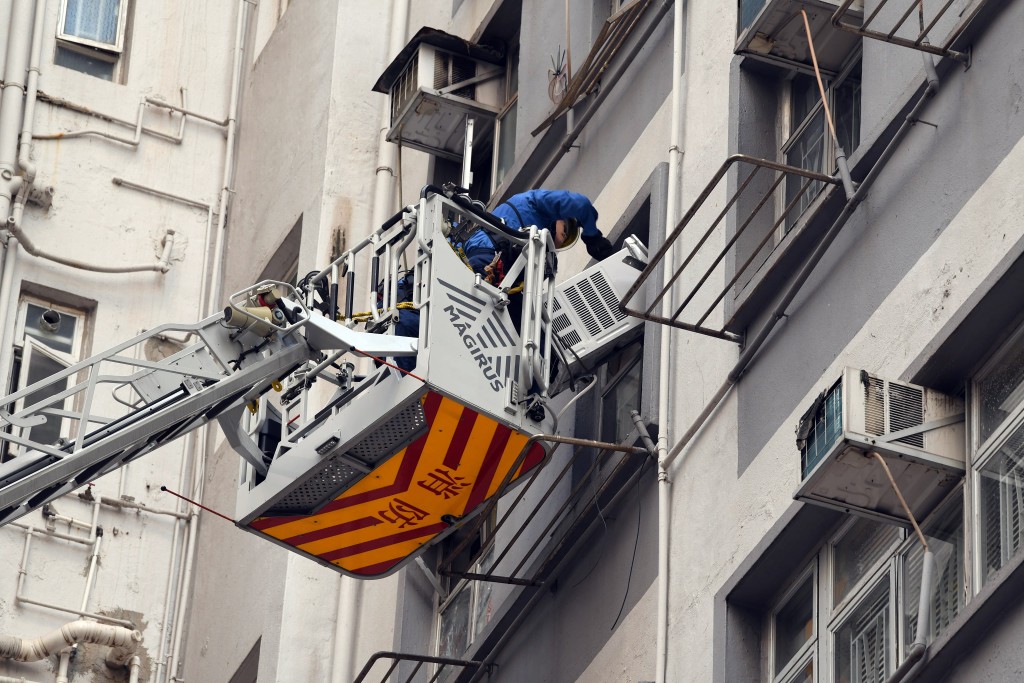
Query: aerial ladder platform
[{"x": 365, "y": 476}]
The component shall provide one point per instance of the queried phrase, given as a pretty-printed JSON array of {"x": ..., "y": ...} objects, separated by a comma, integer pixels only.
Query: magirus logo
[{"x": 488, "y": 339}]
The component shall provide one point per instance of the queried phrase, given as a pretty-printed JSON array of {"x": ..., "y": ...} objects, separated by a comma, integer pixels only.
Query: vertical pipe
[
  {"x": 11, "y": 109},
  {"x": 665, "y": 348}
]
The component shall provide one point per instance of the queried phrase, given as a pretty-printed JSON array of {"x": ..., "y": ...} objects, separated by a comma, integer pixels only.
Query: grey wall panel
[{"x": 929, "y": 179}]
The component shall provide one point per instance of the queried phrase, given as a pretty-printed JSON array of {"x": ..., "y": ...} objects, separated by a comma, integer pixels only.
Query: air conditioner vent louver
[
  {"x": 404, "y": 88},
  {"x": 608, "y": 296},
  {"x": 452, "y": 69},
  {"x": 906, "y": 406},
  {"x": 874, "y": 406},
  {"x": 582, "y": 310}
]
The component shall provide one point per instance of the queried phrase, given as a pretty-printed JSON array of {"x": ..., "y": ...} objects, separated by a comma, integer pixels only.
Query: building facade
[{"x": 821, "y": 186}]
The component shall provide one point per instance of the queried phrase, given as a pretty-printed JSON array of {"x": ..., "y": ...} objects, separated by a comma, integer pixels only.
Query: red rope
[
  {"x": 390, "y": 365},
  {"x": 198, "y": 505}
]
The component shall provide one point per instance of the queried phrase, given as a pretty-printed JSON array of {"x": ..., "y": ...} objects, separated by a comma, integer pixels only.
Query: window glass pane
[
  {"x": 807, "y": 152},
  {"x": 72, "y": 59},
  {"x": 53, "y": 331},
  {"x": 857, "y": 553},
  {"x": 1002, "y": 504},
  {"x": 804, "y": 95},
  {"x": 93, "y": 20},
  {"x": 748, "y": 11},
  {"x": 863, "y": 642},
  {"x": 946, "y": 540},
  {"x": 41, "y": 366},
  {"x": 622, "y": 397},
  {"x": 847, "y": 111},
  {"x": 794, "y": 624},
  {"x": 483, "y": 607},
  {"x": 803, "y": 675},
  {"x": 454, "y": 638},
  {"x": 506, "y": 142},
  {"x": 1001, "y": 390}
]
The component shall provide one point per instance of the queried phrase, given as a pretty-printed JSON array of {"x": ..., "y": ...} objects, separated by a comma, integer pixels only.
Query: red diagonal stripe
[
  {"x": 453, "y": 458},
  {"x": 533, "y": 458},
  {"x": 266, "y": 522},
  {"x": 401, "y": 537},
  {"x": 410, "y": 459},
  {"x": 335, "y": 530},
  {"x": 379, "y": 568},
  {"x": 489, "y": 466}
]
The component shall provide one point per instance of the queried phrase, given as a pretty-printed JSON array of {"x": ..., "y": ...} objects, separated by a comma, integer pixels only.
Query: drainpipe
[
  {"x": 19, "y": 36},
  {"x": 350, "y": 591},
  {"x": 191, "y": 529},
  {"x": 675, "y": 161}
]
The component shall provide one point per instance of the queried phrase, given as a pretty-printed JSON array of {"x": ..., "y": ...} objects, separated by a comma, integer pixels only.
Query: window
[
  {"x": 468, "y": 605},
  {"x": 808, "y": 141},
  {"x": 91, "y": 37},
  {"x": 505, "y": 127},
  {"x": 48, "y": 339},
  {"x": 997, "y": 406},
  {"x": 850, "y": 615},
  {"x": 620, "y": 393}
]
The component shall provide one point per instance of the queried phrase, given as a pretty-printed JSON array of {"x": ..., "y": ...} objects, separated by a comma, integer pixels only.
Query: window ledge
[{"x": 970, "y": 628}]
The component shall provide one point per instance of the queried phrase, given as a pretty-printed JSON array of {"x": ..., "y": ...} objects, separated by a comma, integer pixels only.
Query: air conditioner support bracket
[{"x": 921, "y": 428}]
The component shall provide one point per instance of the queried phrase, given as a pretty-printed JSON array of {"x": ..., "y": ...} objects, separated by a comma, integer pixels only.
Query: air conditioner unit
[
  {"x": 435, "y": 83},
  {"x": 586, "y": 320},
  {"x": 773, "y": 31},
  {"x": 919, "y": 432}
]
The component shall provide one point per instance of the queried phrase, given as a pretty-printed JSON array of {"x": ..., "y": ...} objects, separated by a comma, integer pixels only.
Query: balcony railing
[
  {"x": 892, "y": 23},
  {"x": 759, "y": 220}
]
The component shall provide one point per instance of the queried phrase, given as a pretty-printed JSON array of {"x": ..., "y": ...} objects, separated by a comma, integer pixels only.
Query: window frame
[
  {"x": 791, "y": 132},
  {"x": 113, "y": 54},
  {"x": 509, "y": 112},
  {"x": 22, "y": 340},
  {"x": 117, "y": 47}
]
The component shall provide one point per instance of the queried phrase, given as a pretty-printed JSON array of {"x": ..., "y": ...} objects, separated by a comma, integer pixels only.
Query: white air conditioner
[
  {"x": 586, "y": 320},
  {"x": 919, "y": 432},
  {"x": 434, "y": 84},
  {"x": 773, "y": 31}
]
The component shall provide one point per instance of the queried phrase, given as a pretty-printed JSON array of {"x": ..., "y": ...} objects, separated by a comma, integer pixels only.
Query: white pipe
[
  {"x": 133, "y": 669},
  {"x": 153, "y": 101},
  {"x": 184, "y": 585},
  {"x": 122, "y": 641},
  {"x": 8, "y": 679},
  {"x": 179, "y": 529},
  {"x": 665, "y": 350},
  {"x": 229, "y": 152},
  {"x": 62, "y": 668},
  {"x": 19, "y": 35}
]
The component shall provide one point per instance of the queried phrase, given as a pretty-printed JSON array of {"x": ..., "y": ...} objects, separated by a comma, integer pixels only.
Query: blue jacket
[{"x": 543, "y": 207}]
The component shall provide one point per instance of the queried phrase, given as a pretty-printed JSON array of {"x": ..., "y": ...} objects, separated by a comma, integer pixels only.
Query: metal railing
[
  {"x": 899, "y": 33},
  {"x": 445, "y": 665},
  {"x": 756, "y": 211}
]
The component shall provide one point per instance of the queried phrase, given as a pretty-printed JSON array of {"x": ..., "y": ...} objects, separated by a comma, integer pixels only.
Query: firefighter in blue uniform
[{"x": 566, "y": 214}]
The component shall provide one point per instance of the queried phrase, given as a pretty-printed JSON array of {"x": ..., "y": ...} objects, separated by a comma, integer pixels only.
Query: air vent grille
[
  {"x": 451, "y": 69},
  {"x": 390, "y": 437},
  {"x": 874, "y": 406},
  {"x": 825, "y": 430},
  {"x": 582, "y": 310},
  {"x": 333, "y": 478},
  {"x": 405, "y": 87},
  {"x": 906, "y": 409},
  {"x": 608, "y": 296}
]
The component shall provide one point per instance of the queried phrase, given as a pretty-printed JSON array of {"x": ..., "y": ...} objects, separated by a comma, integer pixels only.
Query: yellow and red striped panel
[{"x": 397, "y": 508}]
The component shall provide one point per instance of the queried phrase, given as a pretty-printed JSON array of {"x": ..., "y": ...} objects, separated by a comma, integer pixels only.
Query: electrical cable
[{"x": 636, "y": 542}]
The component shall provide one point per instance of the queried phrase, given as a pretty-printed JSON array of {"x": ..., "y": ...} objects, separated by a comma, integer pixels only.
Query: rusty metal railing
[
  {"x": 754, "y": 211},
  {"x": 908, "y": 39},
  {"x": 445, "y": 665}
]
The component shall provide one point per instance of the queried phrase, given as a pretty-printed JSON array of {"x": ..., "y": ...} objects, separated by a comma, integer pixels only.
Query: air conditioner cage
[{"x": 862, "y": 414}]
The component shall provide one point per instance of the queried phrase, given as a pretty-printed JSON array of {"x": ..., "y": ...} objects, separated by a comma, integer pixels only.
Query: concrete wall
[{"x": 172, "y": 49}]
